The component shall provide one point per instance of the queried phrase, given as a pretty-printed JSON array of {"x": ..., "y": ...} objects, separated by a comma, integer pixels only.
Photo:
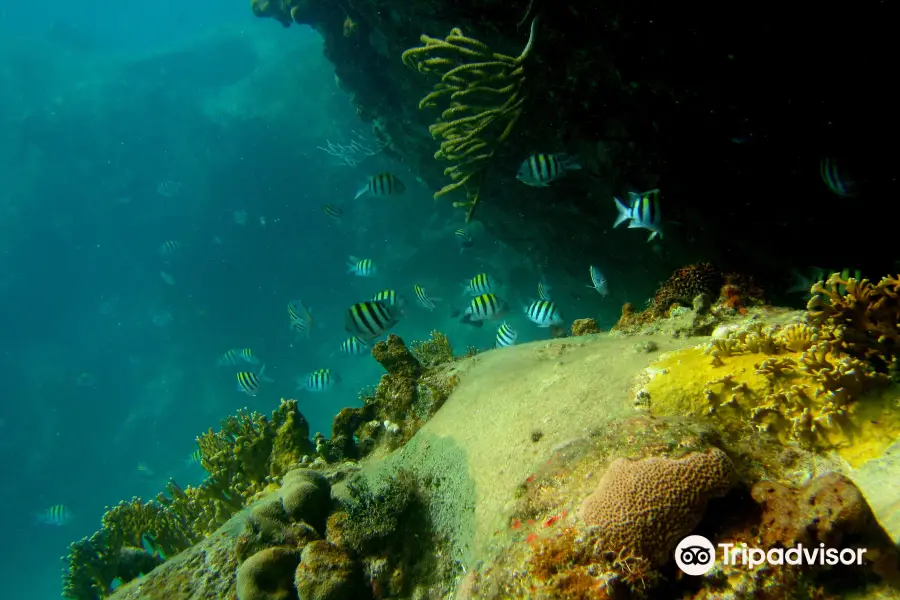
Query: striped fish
[
  {"x": 506, "y": 336},
  {"x": 642, "y": 211},
  {"x": 368, "y": 320},
  {"x": 250, "y": 382},
  {"x": 333, "y": 212},
  {"x": 300, "y": 317},
  {"x": 361, "y": 267},
  {"x": 170, "y": 248},
  {"x": 195, "y": 458},
  {"x": 538, "y": 170},
  {"x": 383, "y": 184},
  {"x": 480, "y": 284},
  {"x": 318, "y": 381},
  {"x": 423, "y": 299},
  {"x": 543, "y": 290},
  {"x": 543, "y": 313},
  {"x": 835, "y": 178},
  {"x": 482, "y": 308},
  {"x": 354, "y": 346},
  {"x": 57, "y": 515},
  {"x": 391, "y": 298},
  {"x": 235, "y": 355},
  {"x": 463, "y": 238},
  {"x": 599, "y": 282}
]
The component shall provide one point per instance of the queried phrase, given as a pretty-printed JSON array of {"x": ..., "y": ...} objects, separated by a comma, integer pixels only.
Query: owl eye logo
[{"x": 695, "y": 555}]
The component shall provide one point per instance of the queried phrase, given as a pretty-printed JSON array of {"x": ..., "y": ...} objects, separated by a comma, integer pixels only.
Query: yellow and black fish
[
  {"x": 538, "y": 170},
  {"x": 482, "y": 308},
  {"x": 381, "y": 185},
  {"x": 480, "y": 284},
  {"x": 361, "y": 267},
  {"x": 423, "y": 298},
  {"x": 354, "y": 346},
  {"x": 300, "y": 318},
  {"x": 464, "y": 239},
  {"x": 238, "y": 354},
  {"x": 170, "y": 248},
  {"x": 333, "y": 212},
  {"x": 506, "y": 336},
  {"x": 319, "y": 380},
  {"x": 250, "y": 382},
  {"x": 368, "y": 320}
]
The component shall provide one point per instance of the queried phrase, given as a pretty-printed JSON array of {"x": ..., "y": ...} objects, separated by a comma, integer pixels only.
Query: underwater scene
[{"x": 430, "y": 300}]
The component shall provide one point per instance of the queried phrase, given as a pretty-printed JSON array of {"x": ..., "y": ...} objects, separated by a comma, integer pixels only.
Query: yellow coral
[
  {"x": 434, "y": 351},
  {"x": 484, "y": 91},
  {"x": 819, "y": 397}
]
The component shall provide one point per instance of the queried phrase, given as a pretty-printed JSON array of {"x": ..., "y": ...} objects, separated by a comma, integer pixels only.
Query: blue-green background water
[{"x": 106, "y": 366}]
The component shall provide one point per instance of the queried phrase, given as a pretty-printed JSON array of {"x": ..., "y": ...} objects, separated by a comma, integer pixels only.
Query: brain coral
[{"x": 643, "y": 508}]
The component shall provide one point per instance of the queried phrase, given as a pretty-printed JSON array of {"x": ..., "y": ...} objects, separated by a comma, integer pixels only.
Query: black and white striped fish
[
  {"x": 543, "y": 313},
  {"x": 361, "y": 267},
  {"x": 506, "y": 336},
  {"x": 333, "y": 212},
  {"x": 250, "y": 382},
  {"x": 235, "y": 355},
  {"x": 538, "y": 170},
  {"x": 370, "y": 319},
  {"x": 464, "y": 239},
  {"x": 482, "y": 308},
  {"x": 642, "y": 211},
  {"x": 319, "y": 380},
  {"x": 543, "y": 290},
  {"x": 391, "y": 298},
  {"x": 58, "y": 515},
  {"x": 383, "y": 184},
  {"x": 835, "y": 177},
  {"x": 170, "y": 248},
  {"x": 480, "y": 284},
  {"x": 354, "y": 346},
  {"x": 300, "y": 317},
  {"x": 423, "y": 299}
]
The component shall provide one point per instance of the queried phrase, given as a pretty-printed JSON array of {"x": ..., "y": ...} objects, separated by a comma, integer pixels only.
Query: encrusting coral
[
  {"x": 644, "y": 508},
  {"x": 484, "y": 93}
]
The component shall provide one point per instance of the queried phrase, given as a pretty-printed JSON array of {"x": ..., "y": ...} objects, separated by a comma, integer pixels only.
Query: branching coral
[
  {"x": 435, "y": 351},
  {"x": 484, "y": 94},
  {"x": 865, "y": 316}
]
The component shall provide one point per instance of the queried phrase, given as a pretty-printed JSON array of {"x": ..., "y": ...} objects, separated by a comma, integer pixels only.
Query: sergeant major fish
[
  {"x": 391, "y": 298},
  {"x": 370, "y": 319},
  {"x": 480, "y": 284},
  {"x": 233, "y": 356},
  {"x": 361, "y": 267},
  {"x": 464, "y": 239},
  {"x": 506, "y": 336},
  {"x": 250, "y": 382},
  {"x": 643, "y": 212},
  {"x": 423, "y": 299},
  {"x": 543, "y": 313},
  {"x": 57, "y": 515},
  {"x": 354, "y": 346},
  {"x": 319, "y": 380},
  {"x": 482, "y": 308},
  {"x": 383, "y": 184},
  {"x": 300, "y": 316},
  {"x": 333, "y": 212},
  {"x": 539, "y": 170}
]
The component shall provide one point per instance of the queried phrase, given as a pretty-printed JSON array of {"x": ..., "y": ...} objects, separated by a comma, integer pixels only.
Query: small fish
[
  {"x": 115, "y": 584},
  {"x": 233, "y": 356},
  {"x": 599, "y": 282},
  {"x": 543, "y": 290},
  {"x": 643, "y": 211},
  {"x": 349, "y": 27},
  {"x": 354, "y": 346},
  {"x": 145, "y": 471},
  {"x": 383, "y": 184},
  {"x": 151, "y": 546},
  {"x": 423, "y": 299},
  {"x": 170, "y": 248},
  {"x": 361, "y": 267},
  {"x": 391, "y": 298},
  {"x": 167, "y": 278},
  {"x": 506, "y": 336},
  {"x": 539, "y": 170},
  {"x": 333, "y": 212},
  {"x": 836, "y": 179},
  {"x": 168, "y": 188},
  {"x": 195, "y": 458},
  {"x": 480, "y": 284},
  {"x": 301, "y": 318},
  {"x": 368, "y": 320},
  {"x": 482, "y": 308},
  {"x": 250, "y": 382},
  {"x": 464, "y": 239},
  {"x": 543, "y": 313},
  {"x": 318, "y": 381},
  {"x": 57, "y": 515}
]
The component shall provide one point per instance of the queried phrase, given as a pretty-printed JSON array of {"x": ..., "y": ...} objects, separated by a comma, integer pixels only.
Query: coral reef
[
  {"x": 643, "y": 508},
  {"x": 268, "y": 575},
  {"x": 865, "y": 317},
  {"x": 584, "y": 327},
  {"x": 406, "y": 397},
  {"x": 792, "y": 382},
  {"x": 484, "y": 94},
  {"x": 328, "y": 573}
]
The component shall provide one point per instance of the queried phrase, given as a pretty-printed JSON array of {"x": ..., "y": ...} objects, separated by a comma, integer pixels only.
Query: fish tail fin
[
  {"x": 455, "y": 314},
  {"x": 624, "y": 212},
  {"x": 570, "y": 163},
  {"x": 361, "y": 193},
  {"x": 262, "y": 377}
]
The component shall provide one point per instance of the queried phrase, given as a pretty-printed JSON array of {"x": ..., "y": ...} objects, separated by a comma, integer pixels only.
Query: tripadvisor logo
[{"x": 696, "y": 555}]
